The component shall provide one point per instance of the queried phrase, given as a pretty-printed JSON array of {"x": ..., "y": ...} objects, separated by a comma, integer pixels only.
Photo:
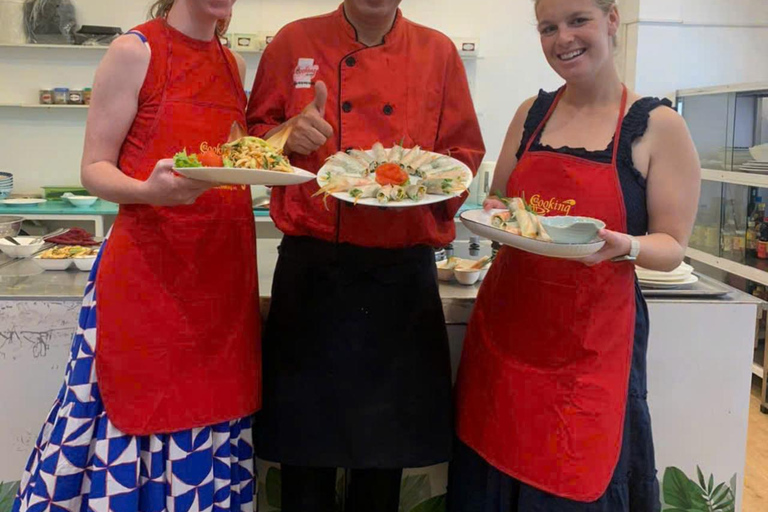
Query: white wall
[
  {"x": 44, "y": 147},
  {"x": 679, "y": 44}
]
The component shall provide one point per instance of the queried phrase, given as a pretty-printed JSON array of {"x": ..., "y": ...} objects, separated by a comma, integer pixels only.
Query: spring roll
[
  {"x": 384, "y": 193},
  {"x": 397, "y": 193},
  {"x": 542, "y": 233},
  {"x": 379, "y": 153},
  {"x": 395, "y": 154},
  {"x": 499, "y": 220},
  {"x": 525, "y": 220},
  {"x": 364, "y": 192},
  {"x": 416, "y": 192}
]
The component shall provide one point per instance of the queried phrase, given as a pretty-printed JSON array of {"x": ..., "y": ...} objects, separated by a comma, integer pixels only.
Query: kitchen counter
[{"x": 699, "y": 363}]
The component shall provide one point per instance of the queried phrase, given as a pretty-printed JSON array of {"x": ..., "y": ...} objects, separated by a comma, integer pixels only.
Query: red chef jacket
[{"x": 412, "y": 88}]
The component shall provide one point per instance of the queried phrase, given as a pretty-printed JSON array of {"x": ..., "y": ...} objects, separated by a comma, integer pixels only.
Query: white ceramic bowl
[
  {"x": 25, "y": 250},
  {"x": 82, "y": 201},
  {"x": 85, "y": 264},
  {"x": 444, "y": 274},
  {"x": 759, "y": 153},
  {"x": 467, "y": 277},
  {"x": 572, "y": 230},
  {"x": 49, "y": 264},
  {"x": 483, "y": 272}
]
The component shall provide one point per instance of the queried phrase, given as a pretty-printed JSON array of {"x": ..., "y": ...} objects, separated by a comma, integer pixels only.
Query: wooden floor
[{"x": 756, "y": 471}]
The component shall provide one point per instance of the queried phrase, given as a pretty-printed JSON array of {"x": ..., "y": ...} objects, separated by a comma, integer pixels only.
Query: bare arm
[
  {"x": 673, "y": 186},
  {"x": 113, "y": 108},
  {"x": 508, "y": 158}
]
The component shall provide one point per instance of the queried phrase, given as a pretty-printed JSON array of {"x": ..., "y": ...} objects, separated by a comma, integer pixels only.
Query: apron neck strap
[{"x": 558, "y": 97}]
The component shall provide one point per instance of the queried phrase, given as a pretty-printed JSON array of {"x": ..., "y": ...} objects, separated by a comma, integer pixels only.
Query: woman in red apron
[
  {"x": 164, "y": 374},
  {"x": 551, "y": 394}
]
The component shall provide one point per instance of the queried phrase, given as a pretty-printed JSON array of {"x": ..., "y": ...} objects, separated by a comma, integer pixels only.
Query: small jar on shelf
[
  {"x": 61, "y": 96},
  {"x": 46, "y": 96}
]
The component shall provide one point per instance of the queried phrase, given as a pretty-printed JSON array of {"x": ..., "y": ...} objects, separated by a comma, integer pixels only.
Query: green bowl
[{"x": 572, "y": 230}]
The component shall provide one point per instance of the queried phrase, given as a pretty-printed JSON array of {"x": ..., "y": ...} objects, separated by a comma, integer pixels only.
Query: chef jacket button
[
  {"x": 388, "y": 109},
  {"x": 351, "y": 62},
  {"x": 346, "y": 107}
]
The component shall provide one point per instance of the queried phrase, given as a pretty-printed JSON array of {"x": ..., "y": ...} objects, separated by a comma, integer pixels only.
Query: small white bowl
[
  {"x": 85, "y": 264},
  {"x": 483, "y": 272},
  {"x": 572, "y": 230},
  {"x": 25, "y": 250},
  {"x": 49, "y": 264},
  {"x": 467, "y": 277},
  {"x": 444, "y": 274},
  {"x": 81, "y": 201}
]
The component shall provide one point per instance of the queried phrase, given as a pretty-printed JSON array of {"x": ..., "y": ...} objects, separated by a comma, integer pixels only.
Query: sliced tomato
[
  {"x": 391, "y": 174},
  {"x": 210, "y": 159}
]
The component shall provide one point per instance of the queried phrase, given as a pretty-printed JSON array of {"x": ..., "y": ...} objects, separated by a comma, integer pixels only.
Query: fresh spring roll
[
  {"x": 379, "y": 153},
  {"x": 499, "y": 220},
  {"x": 410, "y": 156},
  {"x": 364, "y": 158},
  {"x": 416, "y": 192},
  {"x": 364, "y": 192},
  {"x": 414, "y": 167},
  {"x": 384, "y": 193},
  {"x": 397, "y": 193},
  {"x": 349, "y": 163},
  {"x": 528, "y": 226},
  {"x": 395, "y": 154},
  {"x": 440, "y": 186},
  {"x": 456, "y": 173}
]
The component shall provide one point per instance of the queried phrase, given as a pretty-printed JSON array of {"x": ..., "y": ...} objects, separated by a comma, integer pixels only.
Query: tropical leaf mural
[
  {"x": 683, "y": 494},
  {"x": 7, "y": 495}
]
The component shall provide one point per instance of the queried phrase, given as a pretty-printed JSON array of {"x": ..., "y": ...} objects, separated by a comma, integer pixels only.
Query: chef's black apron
[{"x": 356, "y": 359}]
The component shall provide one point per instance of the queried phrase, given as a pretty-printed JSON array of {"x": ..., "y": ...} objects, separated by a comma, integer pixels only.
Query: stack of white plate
[
  {"x": 6, "y": 184},
  {"x": 678, "y": 278},
  {"x": 758, "y": 166}
]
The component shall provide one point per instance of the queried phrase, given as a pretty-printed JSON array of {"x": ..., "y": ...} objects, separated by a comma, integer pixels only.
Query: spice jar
[
  {"x": 87, "y": 95},
  {"x": 46, "y": 97},
  {"x": 75, "y": 97},
  {"x": 60, "y": 95},
  {"x": 762, "y": 250}
]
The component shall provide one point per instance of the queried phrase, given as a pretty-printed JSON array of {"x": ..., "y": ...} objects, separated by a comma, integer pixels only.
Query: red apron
[
  {"x": 178, "y": 325},
  {"x": 543, "y": 380}
]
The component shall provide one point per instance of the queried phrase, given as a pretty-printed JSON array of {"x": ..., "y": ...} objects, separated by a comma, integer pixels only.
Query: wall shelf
[
  {"x": 53, "y": 46},
  {"x": 35, "y": 105},
  {"x": 735, "y": 177}
]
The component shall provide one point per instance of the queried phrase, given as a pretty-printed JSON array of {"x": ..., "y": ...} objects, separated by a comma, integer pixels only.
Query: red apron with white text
[
  {"x": 178, "y": 317},
  {"x": 543, "y": 380}
]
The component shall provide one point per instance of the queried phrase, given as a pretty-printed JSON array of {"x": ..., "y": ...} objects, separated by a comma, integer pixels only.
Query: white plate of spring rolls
[
  {"x": 432, "y": 177},
  {"x": 531, "y": 238}
]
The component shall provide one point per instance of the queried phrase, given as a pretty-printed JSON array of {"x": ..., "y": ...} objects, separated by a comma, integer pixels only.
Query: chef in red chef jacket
[{"x": 356, "y": 360}]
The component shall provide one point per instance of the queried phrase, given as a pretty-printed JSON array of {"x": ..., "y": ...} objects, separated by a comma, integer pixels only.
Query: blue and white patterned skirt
[{"x": 82, "y": 463}]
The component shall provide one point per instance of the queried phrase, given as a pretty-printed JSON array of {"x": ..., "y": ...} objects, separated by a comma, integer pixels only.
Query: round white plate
[
  {"x": 236, "y": 176},
  {"x": 406, "y": 203},
  {"x": 670, "y": 285},
  {"x": 478, "y": 222},
  {"x": 23, "y": 202}
]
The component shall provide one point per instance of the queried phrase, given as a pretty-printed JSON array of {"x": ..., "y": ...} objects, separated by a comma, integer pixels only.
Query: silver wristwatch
[{"x": 634, "y": 250}]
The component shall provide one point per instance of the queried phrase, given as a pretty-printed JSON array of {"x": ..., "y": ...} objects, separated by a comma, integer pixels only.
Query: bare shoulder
[
  {"x": 666, "y": 121},
  {"x": 129, "y": 50},
  {"x": 518, "y": 122}
]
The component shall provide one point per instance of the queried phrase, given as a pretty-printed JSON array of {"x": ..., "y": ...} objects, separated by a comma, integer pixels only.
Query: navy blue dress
[{"x": 476, "y": 486}]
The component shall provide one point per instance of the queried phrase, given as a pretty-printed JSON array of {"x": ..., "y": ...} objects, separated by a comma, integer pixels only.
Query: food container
[
  {"x": 60, "y": 96},
  {"x": 572, "y": 230},
  {"x": 466, "y": 277},
  {"x": 85, "y": 264},
  {"x": 46, "y": 96},
  {"x": 87, "y": 95},
  {"x": 51, "y": 264},
  {"x": 25, "y": 250},
  {"x": 75, "y": 97},
  {"x": 444, "y": 273}
]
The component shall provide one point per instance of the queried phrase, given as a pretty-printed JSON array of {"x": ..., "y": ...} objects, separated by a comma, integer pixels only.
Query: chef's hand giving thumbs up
[{"x": 310, "y": 130}]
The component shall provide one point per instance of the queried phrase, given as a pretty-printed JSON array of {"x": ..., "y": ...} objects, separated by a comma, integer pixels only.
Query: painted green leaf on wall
[
  {"x": 7, "y": 495},
  {"x": 683, "y": 494},
  {"x": 414, "y": 489},
  {"x": 436, "y": 504},
  {"x": 274, "y": 488}
]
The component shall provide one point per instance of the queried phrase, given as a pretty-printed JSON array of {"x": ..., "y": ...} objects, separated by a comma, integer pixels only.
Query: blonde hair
[
  {"x": 160, "y": 8},
  {"x": 605, "y": 5}
]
